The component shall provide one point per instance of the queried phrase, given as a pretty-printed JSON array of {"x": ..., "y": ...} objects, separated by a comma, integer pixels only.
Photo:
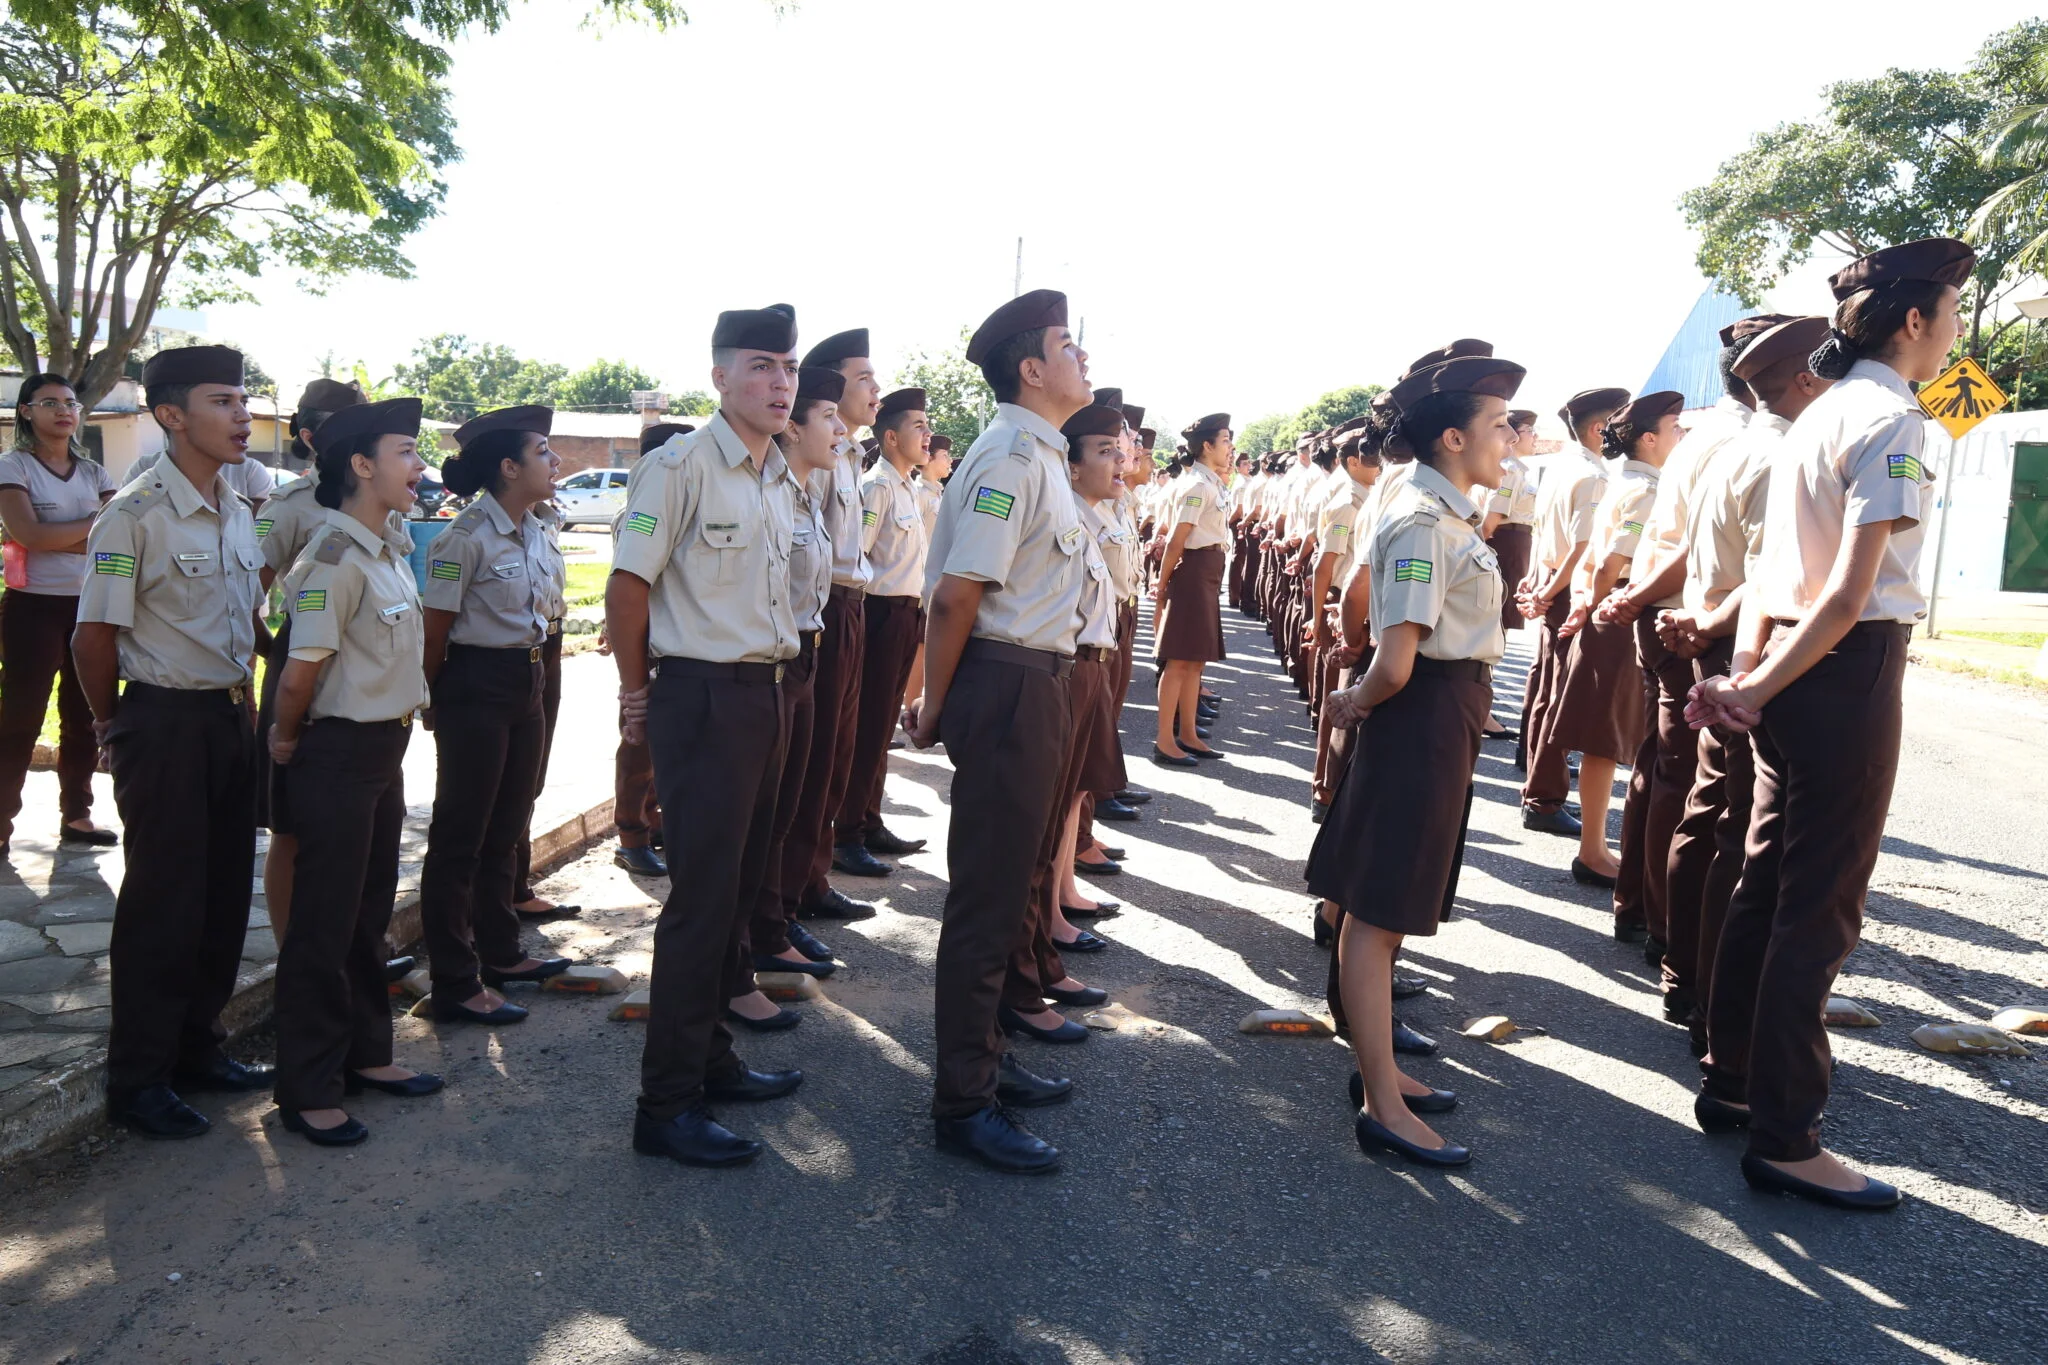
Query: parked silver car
[{"x": 592, "y": 497}]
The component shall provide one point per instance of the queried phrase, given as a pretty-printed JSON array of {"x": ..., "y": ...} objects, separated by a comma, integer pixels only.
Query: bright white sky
[{"x": 1248, "y": 203}]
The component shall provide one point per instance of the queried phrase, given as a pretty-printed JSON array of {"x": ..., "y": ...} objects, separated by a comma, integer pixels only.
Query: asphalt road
[{"x": 1213, "y": 1206}]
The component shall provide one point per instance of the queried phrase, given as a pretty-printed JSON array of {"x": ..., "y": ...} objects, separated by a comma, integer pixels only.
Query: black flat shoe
[
  {"x": 774, "y": 1023},
  {"x": 1021, "y": 1089},
  {"x": 640, "y": 862},
  {"x": 1112, "y": 809},
  {"x": 1586, "y": 876},
  {"x": 1102, "y": 869},
  {"x": 1318, "y": 811},
  {"x": 224, "y": 1075},
  {"x": 1087, "y": 995},
  {"x": 87, "y": 838},
  {"x": 1205, "y": 755},
  {"x": 1500, "y": 734},
  {"x": 1654, "y": 949},
  {"x": 1084, "y": 942},
  {"x": 1102, "y": 910},
  {"x": 457, "y": 1013},
  {"x": 1626, "y": 932},
  {"x": 1551, "y": 822},
  {"x": 750, "y": 1085},
  {"x": 1718, "y": 1116},
  {"x": 1874, "y": 1196},
  {"x": 768, "y": 962},
  {"x": 882, "y": 841},
  {"x": 347, "y": 1133},
  {"x": 836, "y": 904},
  {"x": 996, "y": 1140},
  {"x": 1166, "y": 760},
  {"x": 1013, "y": 1022},
  {"x": 542, "y": 969},
  {"x": 1201, "y": 732},
  {"x": 1408, "y": 987},
  {"x": 1134, "y": 796},
  {"x": 552, "y": 912},
  {"x": 856, "y": 861},
  {"x": 1115, "y": 855},
  {"x": 692, "y": 1137},
  {"x": 398, "y": 968},
  {"x": 1409, "y": 1041},
  {"x": 155, "y": 1111},
  {"x": 1678, "y": 1006},
  {"x": 411, "y": 1088},
  {"x": 1376, "y": 1136},
  {"x": 1325, "y": 932},
  {"x": 807, "y": 943},
  {"x": 1435, "y": 1102}
]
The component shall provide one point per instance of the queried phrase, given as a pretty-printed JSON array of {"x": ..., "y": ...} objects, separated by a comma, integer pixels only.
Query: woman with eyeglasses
[{"x": 49, "y": 495}]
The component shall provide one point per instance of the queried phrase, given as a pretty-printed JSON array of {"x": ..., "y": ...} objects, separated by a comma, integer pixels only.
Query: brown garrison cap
[
  {"x": 903, "y": 400},
  {"x": 1462, "y": 348},
  {"x": 1651, "y": 409},
  {"x": 816, "y": 384},
  {"x": 1134, "y": 416},
  {"x": 656, "y": 436},
  {"x": 940, "y": 441},
  {"x": 1739, "y": 332},
  {"x": 329, "y": 395},
  {"x": 1467, "y": 374},
  {"x": 1792, "y": 337},
  {"x": 756, "y": 329},
  {"x": 392, "y": 417},
  {"x": 536, "y": 417},
  {"x": 1522, "y": 417},
  {"x": 1025, "y": 313},
  {"x": 1583, "y": 405},
  {"x": 1943, "y": 260},
  {"x": 1110, "y": 398},
  {"x": 839, "y": 348},
  {"x": 1097, "y": 419},
  {"x": 1205, "y": 428},
  {"x": 193, "y": 365},
  {"x": 1147, "y": 437}
]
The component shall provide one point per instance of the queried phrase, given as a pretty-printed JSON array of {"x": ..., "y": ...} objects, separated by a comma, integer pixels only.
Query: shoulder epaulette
[
  {"x": 333, "y": 548},
  {"x": 1022, "y": 444},
  {"x": 135, "y": 497}
]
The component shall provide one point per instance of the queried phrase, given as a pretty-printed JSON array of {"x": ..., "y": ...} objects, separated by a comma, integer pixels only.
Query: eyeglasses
[{"x": 57, "y": 404}]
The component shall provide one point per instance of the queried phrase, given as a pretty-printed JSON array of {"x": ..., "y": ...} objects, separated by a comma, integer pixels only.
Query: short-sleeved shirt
[
  {"x": 1728, "y": 503},
  {"x": 1010, "y": 521},
  {"x": 710, "y": 536},
  {"x": 1564, "y": 505},
  {"x": 929, "y": 495},
  {"x": 1117, "y": 542},
  {"x": 1619, "y": 519},
  {"x": 71, "y": 497},
  {"x": 1430, "y": 567},
  {"x": 179, "y": 580},
  {"x": 503, "y": 580},
  {"x": 1665, "y": 530},
  {"x": 1393, "y": 478},
  {"x": 810, "y": 553},
  {"x": 1337, "y": 525},
  {"x": 1515, "y": 499},
  {"x": 1854, "y": 458},
  {"x": 892, "y": 532},
  {"x": 1200, "y": 500},
  {"x": 354, "y": 607},
  {"x": 290, "y": 515},
  {"x": 1099, "y": 600},
  {"x": 850, "y": 567},
  {"x": 252, "y": 478}
]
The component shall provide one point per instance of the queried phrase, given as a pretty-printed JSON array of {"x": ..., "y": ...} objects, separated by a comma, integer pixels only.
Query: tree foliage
[
  {"x": 1281, "y": 430},
  {"x": 459, "y": 378},
  {"x": 958, "y": 398},
  {"x": 603, "y": 386}
]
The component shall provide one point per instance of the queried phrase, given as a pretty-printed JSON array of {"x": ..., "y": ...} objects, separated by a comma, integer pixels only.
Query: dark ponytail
[
  {"x": 306, "y": 419},
  {"x": 336, "y": 470},
  {"x": 477, "y": 464},
  {"x": 1867, "y": 320},
  {"x": 1618, "y": 440}
]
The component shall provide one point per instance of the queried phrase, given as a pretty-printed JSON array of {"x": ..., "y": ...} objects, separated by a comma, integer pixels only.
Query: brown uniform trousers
[
  {"x": 35, "y": 647},
  {"x": 633, "y": 807},
  {"x": 1238, "y": 541},
  {"x": 1007, "y": 725},
  {"x": 718, "y": 732},
  {"x": 1120, "y": 685},
  {"x": 550, "y": 708},
  {"x": 835, "y": 695},
  {"x": 184, "y": 765},
  {"x": 347, "y": 785},
  {"x": 1549, "y": 781},
  {"x": 894, "y": 625},
  {"x": 1706, "y": 850},
  {"x": 1827, "y": 753},
  {"x": 1657, "y": 786},
  {"x": 768, "y": 922}
]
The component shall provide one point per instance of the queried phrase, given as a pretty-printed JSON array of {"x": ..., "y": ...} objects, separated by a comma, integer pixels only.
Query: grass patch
[
  {"x": 2022, "y": 639},
  {"x": 2011, "y": 677},
  {"x": 585, "y": 586}
]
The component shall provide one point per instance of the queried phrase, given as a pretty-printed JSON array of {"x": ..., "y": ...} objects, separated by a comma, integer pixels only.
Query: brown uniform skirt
[
  {"x": 1601, "y": 710},
  {"x": 1191, "y": 627},
  {"x": 1389, "y": 847},
  {"x": 1510, "y": 543}
]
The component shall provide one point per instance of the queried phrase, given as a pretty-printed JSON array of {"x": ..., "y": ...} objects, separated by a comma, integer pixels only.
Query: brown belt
[
  {"x": 848, "y": 594},
  {"x": 1461, "y": 670},
  {"x": 1095, "y": 654},
  {"x": 704, "y": 668},
  {"x": 997, "y": 651}
]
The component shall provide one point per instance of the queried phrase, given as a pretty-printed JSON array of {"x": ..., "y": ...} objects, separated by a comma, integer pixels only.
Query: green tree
[
  {"x": 2016, "y": 148},
  {"x": 1258, "y": 436},
  {"x": 1281, "y": 430},
  {"x": 960, "y": 403},
  {"x": 692, "y": 403},
  {"x": 604, "y": 385},
  {"x": 458, "y": 378}
]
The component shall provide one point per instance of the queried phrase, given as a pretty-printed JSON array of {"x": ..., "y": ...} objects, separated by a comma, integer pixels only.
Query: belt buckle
[
  {"x": 533, "y": 654},
  {"x": 238, "y": 694},
  {"x": 405, "y": 721},
  {"x": 778, "y": 671}
]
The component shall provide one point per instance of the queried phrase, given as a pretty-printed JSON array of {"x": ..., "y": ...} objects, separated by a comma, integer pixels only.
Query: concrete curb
[{"x": 73, "y": 1098}]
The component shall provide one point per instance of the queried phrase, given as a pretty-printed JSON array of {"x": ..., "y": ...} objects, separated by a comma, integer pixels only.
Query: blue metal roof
[{"x": 1691, "y": 364}]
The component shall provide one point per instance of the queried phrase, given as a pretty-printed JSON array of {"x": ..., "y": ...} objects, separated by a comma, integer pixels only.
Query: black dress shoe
[
  {"x": 654, "y": 838},
  {"x": 411, "y": 1088},
  {"x": 1083, "y": 942},
  {"x": 1109, "y": 808},
  {"x": 1627, "y": 932},
  {"x": 1201, "y": 732},
  {"x": 1678, "y": 1006},
  {"x": 694, "y": 1138},
  {"x": 1101, "y": 869},
  {"x": 541, "y": 970},
  {"x": 1204, "y": 755},
  {"x": 1087, "y": 995},
  {"x": 1013, "y": 1022},
  {"x": 398, "y": 968},
  {"x": 1718, "y": 1116},
  {"x": 1654, "y": 949},
  {"x": 455, "y": 1012},
  {"x": 1318, "y": 811},
  {"x": 747, "y": 1084},
  {"x": 1022, "y": 1089},
  {"x": 1409, "y": 1041},
  {"x": 1101, "y": 910},
  {"x": 1325, "y": 932},
  {"x": 1166, "y": 760},
  {"x": 882, "y": 841},
  {"x": 856, "y": 861},
  {"x": 1134, "y": 796},
  {"x": 1408, "y": 987},
  {"x": 768, "y": 962},
  {"x": 347, "y": 1133},
  {"x": 1551, "y": 822},
  {"x": 224, "y": 1074},
  {"x": 836, "y": 904},
  {"x": 641, "y": 862},
  {"x": 807, "y": 943},
  {"x": 896, "y": 744},
  {"x": 1376, "y": 1136},
  {"x": 994, "y": 1139},
  {"x": 1762, "y": 1175},
  {"x": 552, "y": 912},
  {"x": 1435, "y": 1102},
  {"x": 155, "y": 1111},
  {"x": 774, "y": 1023},
  {"x": 87, "y": 838},
  {"x": 1500, "y": 734},
  {"x": 1586, "y": 876}
]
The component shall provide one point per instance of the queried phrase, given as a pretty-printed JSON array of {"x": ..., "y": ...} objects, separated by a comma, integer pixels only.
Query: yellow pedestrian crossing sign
[{"x": 1962, "y": 397}]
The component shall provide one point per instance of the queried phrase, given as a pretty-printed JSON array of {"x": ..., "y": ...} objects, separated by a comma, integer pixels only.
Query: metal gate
[{"x": 2026, "y": 528}]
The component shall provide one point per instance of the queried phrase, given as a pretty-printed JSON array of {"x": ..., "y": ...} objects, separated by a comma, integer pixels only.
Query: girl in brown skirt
[
  {"x": 1601, "y": 710},
  {"x": 1188, "y": 595},
  {"x": 1388, "y": 850}
]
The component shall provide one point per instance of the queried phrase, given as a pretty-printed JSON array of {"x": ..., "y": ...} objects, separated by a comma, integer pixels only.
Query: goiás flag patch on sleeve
[
  {"x": 994, "y": 502},
  {"x": 118, "y": 565},
  {"x": 310, "y": 599},
  {"x": 1413, "y": 571}
]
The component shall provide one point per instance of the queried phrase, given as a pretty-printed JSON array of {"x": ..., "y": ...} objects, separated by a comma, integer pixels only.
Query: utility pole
[
  {"x": 1017, "y": 280},
  {"x": 1081, "y": 337}
]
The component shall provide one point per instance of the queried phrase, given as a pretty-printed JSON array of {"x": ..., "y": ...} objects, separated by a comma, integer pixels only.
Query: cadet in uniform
[
  {"x": 702, "y": 628},
  {"x": 1003, "y": 579},
  {"x": 344, "y": 712},
  {"x": 633, "y": 804},
  {"x": 931, "y": 488},
  {"x": 1820, "y": 661},
  {"x": 1337, "y": 533},
  {"x": 171, "y": 605},
  {"x": 1510, "y": 523},
  {"x": 494, "y": 584},
  {"x": 1190, "y": 628}
]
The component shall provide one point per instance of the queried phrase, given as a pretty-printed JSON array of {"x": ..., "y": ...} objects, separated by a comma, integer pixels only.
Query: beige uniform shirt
[
  {"x": 1099, "y": 601},
  {"x": 1117, "y": 542},
  {"x": 1515, "y": 499},
  {"x": 1393, "y": 478},
  {"x": 179, "y": 580},
  {"x": 252, "y": 478},
  {"x": 1564, "y": 505},
  {"x": 1665, "y": 531},
  {"x": 929, "y": 495},
  {"x": 504, "y": 582},
  {"x": 1010, "y": 521},
  {"x": 1337, "y": 526},
  {"x": 1619, "y": 519},
  {"x": 843, "y": 521},
  {"x": 711, "y": 537},
  {"x": 289, "y": 517},
  {"x": 1201, "y": 500},
  {"x": 1430, "y": 567},
  {"x": 1852, "y": 459},
  {"x": 1728, "y": 504},
  {"x": 892, "y": 532},
  {"x": 354, "y": 606},
  {"x": 75, "y": 497},
  {"x": 810, "y": 554}
]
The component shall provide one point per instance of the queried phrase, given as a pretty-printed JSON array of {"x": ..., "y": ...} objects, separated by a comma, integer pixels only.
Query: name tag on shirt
[
  {"x": 1070, "y": 539},
  {"x": 394, "y": 614}
]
